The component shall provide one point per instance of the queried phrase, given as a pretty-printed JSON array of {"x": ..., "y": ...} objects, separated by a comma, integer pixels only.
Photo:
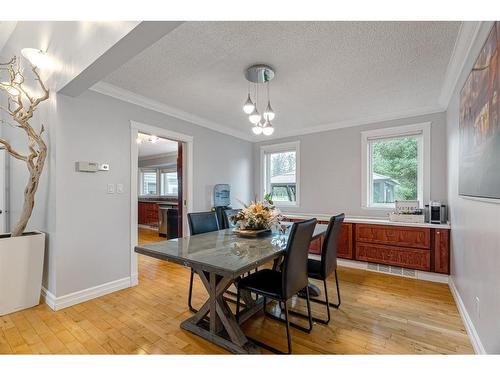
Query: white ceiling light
[
  {"x": 248, "y": 107},
  {"x": 254, "y": 116},
  {"x": 269, "y": 113},
  {"x": 36, "y": 57},
  {"x": 259, "y": 75},
  {"x": 267, "y": 128},
  {"x": 257, "y": 129}
]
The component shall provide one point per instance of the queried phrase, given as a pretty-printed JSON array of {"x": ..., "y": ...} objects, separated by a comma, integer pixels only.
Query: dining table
[{"x": 220, "y": 259}]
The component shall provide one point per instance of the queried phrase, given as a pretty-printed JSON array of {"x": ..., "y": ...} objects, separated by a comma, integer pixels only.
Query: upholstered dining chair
[
  {"x": 281, "y": 285},
  {"x": 200, "y": 222},
  {"x": 322, "y": 269}
]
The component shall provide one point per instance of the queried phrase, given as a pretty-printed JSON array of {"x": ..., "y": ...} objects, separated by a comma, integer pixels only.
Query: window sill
[{"x": 375, "y": 208}]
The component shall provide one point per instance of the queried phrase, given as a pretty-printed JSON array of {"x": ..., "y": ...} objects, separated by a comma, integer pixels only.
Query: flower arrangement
[{"x": 257, "y": 215}]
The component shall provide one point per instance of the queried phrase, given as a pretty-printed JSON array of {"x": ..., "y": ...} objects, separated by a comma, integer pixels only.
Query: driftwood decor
[{"x": 21, "y": 105}]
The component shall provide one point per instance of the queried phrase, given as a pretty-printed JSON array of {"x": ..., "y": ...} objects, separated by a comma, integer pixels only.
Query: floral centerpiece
[{"x": 257, "y": 216}]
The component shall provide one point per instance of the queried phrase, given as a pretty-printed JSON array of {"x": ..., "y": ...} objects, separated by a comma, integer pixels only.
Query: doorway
[
  {"x": 161, "y": 186},
  {"x": 159, "y": 196}
]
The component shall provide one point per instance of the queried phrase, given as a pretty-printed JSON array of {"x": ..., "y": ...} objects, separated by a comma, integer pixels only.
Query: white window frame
[
  {"x": 141, "y": 181},
  {"x": 424, "y": 162},
  {"x": 264, "y": 172},
  {"x": 167, "y": 170}
]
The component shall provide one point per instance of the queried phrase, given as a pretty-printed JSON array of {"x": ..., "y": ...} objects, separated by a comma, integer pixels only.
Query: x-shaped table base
[{"x": 215, "y": 321}]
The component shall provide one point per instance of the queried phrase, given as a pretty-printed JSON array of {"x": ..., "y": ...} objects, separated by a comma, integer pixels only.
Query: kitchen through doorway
[{"x": 159, "y": 188}]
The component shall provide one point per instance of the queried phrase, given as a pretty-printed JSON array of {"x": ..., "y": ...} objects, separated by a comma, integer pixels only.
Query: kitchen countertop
[
  {"x": 368, "y": 220},
  {"x": 164, "y": 202}
]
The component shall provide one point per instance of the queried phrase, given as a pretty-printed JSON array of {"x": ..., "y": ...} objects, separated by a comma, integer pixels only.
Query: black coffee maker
[{"x": 435, "y": 213}]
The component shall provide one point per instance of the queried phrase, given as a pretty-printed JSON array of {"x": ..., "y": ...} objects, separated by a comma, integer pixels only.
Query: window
[
  {"x": 158, "y": 182},
  {"x": 395, "y": 165},
  {"x": 148, "y": 185},
  {"x": 280, "y": 173},
  {"x": 168, "y": 183}
]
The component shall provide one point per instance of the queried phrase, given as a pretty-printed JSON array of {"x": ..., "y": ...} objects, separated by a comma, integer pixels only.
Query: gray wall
[
  {"x": 475, "y": 236},
  {"x": 93, "y": 226},
  {"x": 330, "y": 167},
  {"x": 90, "y": 234}
]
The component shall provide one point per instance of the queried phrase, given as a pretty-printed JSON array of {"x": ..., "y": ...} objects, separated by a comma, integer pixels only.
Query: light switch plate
[
  {"x": 119, "y": 188},
  {"x": 111, "y": 188}
]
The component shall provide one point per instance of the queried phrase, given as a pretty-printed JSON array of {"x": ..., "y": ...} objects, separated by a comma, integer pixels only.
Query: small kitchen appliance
[{"x": 436, "y": 212}]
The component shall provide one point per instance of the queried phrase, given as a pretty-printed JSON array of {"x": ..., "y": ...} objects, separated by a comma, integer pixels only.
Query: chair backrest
[
  {"x": 294, "y": 271},
  {"x": 227, "y": 217},
  {"x": 202, "y": 222},
  {"x": 330, "y": 244}
]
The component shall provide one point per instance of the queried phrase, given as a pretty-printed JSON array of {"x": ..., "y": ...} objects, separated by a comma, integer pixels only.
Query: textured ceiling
[{"x": 326, "y": 72}]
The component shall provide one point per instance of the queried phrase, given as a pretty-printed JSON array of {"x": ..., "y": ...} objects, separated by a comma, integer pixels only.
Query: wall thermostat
[{"x": 90, "y": 166}]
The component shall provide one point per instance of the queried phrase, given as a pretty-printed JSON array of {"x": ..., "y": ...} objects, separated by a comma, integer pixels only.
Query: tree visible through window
[
  {"x": 394, "y": 166},
  {"x": 281, "y": 172}
]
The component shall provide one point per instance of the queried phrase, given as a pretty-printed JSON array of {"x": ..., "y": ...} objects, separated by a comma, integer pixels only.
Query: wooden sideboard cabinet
[
  {"x": 442, "y": 251},
  {"x": 345, "y": 245},
  {"x": 419, "y": 248}
]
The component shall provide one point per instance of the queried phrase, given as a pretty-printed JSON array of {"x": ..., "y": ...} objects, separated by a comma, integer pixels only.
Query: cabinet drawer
[
  {"x": 394, "y": 235},
  {"x": 419, "y": 259}
]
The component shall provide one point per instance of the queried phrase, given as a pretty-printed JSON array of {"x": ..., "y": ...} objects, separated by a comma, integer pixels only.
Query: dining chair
[
  {"x": 281, "y": 285},
  {"x": 322, "y": 269},
  {"x": 227, "y": 217},
  {"x": 200, "y": 222}
]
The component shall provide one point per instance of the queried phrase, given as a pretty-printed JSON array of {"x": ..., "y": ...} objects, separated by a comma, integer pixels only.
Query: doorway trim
[{"x": 135, "y": 128}]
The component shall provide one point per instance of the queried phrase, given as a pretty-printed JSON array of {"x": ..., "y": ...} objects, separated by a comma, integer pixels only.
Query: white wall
[
  {"x": 330, "y": 167},
  {"x": 475, "y": 235}
]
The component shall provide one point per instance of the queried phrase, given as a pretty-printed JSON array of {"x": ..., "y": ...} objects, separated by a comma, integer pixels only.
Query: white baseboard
[
  {"x": 134, "y": 279},
  {"x": 469, "y": 326},
  {"x": 58, "y": 303},
  {"x": 420, "y": 275}
]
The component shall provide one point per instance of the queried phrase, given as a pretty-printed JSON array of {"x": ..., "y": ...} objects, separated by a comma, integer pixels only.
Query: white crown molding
[
  {"x": 466, "y": 38},
  {"x": 358, "y": 122},
  {"x": 140, "y": 100},
  {"x": 130, "y": 97},
  {"x": 469, "y": 326}
]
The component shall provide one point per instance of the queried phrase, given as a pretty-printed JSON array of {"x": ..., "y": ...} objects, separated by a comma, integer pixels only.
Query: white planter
[{"x": 21, "y": 268}]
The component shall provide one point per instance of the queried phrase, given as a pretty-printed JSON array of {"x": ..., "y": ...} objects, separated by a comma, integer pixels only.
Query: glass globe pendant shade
[
  {"x": 257, "y": 129},
  {"x": 268, "y": 128},
  {"x": 248, "y": 107},
  {"x": 269, "y": 114},
  {"x": 255, "y": 117}
]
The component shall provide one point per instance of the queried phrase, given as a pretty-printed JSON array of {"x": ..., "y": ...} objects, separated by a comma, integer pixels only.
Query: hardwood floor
[{"x": 380, "y": 314}]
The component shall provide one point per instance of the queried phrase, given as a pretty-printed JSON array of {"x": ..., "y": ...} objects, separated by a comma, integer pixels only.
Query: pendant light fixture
[
  {"x": 248, "y": 107},
  {"x": 269, "y": 114},
  {"x": 267, "y": 128},
  {"x": 258, "y": 75}
]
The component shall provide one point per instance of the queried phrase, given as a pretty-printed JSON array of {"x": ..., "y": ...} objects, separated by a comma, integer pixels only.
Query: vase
[{"x": 21, "y": 269}]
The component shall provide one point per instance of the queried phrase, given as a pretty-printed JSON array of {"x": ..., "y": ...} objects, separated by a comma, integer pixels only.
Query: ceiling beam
[{"x": 138, "y": 39}]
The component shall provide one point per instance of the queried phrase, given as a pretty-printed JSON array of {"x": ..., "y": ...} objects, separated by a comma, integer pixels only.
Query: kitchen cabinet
[{"x": 148, "y": 214}]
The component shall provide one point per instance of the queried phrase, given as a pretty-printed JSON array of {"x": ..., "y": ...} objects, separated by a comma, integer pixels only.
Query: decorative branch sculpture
[{"x": 20, "y": 107}]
